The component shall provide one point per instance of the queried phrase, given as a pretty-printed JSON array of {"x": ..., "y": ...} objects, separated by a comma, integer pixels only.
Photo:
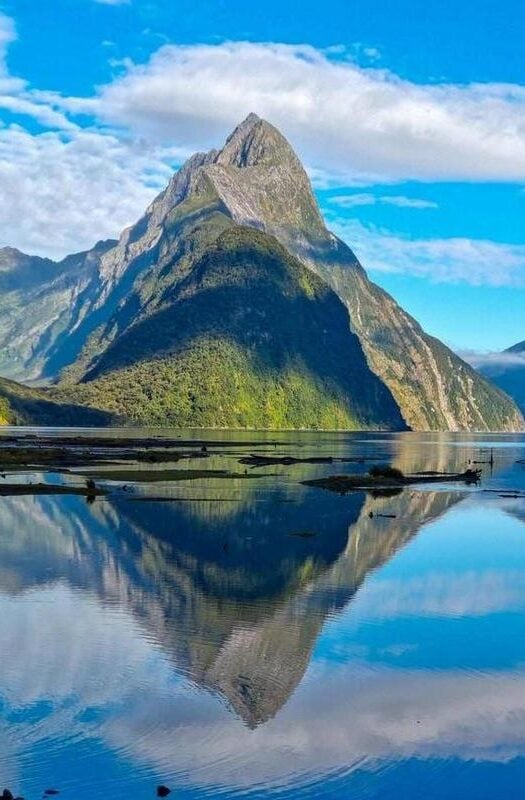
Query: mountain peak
[
  {"x": 11, "y": 258},
  {"x": 260, "y": 179},
  {"x": 11, "y": 252},
  {"x": 517, "y": 348},
  {"x": 255, "y": 142}
]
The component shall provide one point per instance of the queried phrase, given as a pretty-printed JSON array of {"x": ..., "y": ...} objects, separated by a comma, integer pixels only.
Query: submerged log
[
  {"x": 21, "y": 489},
  {"x": 347, "y": 483},
  {"x": 122, "y": 442},
  {"x": 256, "y": 460}
]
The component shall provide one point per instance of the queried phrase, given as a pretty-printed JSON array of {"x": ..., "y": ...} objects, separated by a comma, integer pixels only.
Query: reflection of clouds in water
[
  {"x": 442, "y": 594},
  {"x": 351, "y": 716},
  {"x": 62, "y": 654},
  {"x": 72, "y": 647},
  {"x": 85, "y": 655}
]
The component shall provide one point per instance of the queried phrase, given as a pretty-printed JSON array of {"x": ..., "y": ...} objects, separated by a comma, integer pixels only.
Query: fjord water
[{"x": 251, "y": 636}]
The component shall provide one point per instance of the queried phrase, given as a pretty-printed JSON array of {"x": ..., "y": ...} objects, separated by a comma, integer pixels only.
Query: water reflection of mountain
[{"x": 236, "y": 603}]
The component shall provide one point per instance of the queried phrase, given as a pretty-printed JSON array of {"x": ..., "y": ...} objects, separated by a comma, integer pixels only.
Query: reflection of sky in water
[{"x": 413, "y": 648}]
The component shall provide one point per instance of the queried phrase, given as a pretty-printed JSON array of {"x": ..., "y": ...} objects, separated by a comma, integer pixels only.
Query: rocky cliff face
[
  {"x": 43, "y": 306},
  {"x": 92, "y": 318}
]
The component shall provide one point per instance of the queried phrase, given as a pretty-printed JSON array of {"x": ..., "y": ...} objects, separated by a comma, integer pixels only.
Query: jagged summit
[
  {"x": 261, "y": 181},
  {"x": 256, "y": 142},
  {"x": 256, "y": 175}
]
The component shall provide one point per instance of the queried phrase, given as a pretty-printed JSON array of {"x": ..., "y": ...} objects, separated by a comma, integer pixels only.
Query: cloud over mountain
[
  {"x": 346, "y": 119},
  {"x": 87, "y": 166}
]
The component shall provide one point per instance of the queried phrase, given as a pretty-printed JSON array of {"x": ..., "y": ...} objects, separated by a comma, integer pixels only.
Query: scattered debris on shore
[{"x": 122, "y": 460}]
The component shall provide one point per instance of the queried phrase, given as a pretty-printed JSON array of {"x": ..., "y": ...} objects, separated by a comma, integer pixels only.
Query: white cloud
[
  {"x": 61, "y": 193},
  {"x": 7, "y": 36},
  {"x": 348, "y": 123},
  {"x": 15, "y": 95},
  {"x": 66, "y": 187},
  {"x": 345, "y": 119},
  {"x": 494, "y": 362},
  {"x": 369, "y": 199},
  {"x": 456, "y": 260}
]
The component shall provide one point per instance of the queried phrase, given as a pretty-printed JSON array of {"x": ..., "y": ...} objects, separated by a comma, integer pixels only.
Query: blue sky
[{"x": 409, "y": 117}]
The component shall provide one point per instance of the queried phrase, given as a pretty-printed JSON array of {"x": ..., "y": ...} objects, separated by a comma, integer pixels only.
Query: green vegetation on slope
[
  {"x": 249, "y": 338},
  {"x": 215, "y": 383},
  {"x": 21, "y": 405}
]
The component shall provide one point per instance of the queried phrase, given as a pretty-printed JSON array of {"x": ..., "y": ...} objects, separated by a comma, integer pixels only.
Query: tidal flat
[{"x": 209, "y": 621}]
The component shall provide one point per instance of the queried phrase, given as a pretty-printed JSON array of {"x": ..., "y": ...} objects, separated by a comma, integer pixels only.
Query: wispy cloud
[
  {"x": 369, "y": 199},
  {"x": 496, "y": 362},
  {"x": 8, "y": 35},
  {"x": 347, "y": 120},
  {"x": 80, "y": 184},
  {"x": 61, "y": 193},
  {"x": 456, "y": 260},
  {"x": 113, "y": 2}
]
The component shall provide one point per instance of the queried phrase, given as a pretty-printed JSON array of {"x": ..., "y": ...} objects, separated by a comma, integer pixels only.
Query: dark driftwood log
[
  {"x": 256, "y": 460},
  {"x": 18, "y": 489},
  {"x": 347, "y": 483}
]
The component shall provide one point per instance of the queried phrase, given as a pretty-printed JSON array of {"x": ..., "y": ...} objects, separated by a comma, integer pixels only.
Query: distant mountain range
[
  {"x": 508, "y": 372},
  {"x": 231, "y": 304}
]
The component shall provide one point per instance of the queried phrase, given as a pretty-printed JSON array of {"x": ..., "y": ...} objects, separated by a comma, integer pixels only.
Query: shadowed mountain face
[
  {"x": 509, "y": 373},
  {"x": 22, "y": 405},
  {"x": 249, "y": 337},
  {"x": 207, "y": 312},
  {"x": 235, "y": 603}
]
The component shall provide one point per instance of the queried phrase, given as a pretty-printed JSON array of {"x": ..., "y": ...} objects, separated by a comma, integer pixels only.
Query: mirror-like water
[{"x": 252, "y": 636}]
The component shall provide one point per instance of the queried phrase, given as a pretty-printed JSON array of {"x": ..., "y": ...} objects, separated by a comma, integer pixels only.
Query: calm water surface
[{"x": 203, "y": 644}]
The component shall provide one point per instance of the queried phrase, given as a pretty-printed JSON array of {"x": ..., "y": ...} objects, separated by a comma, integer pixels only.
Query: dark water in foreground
[{"x": 201, "y": 644}]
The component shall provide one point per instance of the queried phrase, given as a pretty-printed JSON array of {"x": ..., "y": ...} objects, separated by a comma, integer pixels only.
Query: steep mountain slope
[
  {"x": 21, "y": 405},
  {"x": 142, "y": 338},
  {"x": 509, "y": 373},
  {"x": 249, "y": 337},
  {"x": 435, "y": 389},
  {"x": 42, "y": 303},
  {"x": 260, "y": 180}
]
